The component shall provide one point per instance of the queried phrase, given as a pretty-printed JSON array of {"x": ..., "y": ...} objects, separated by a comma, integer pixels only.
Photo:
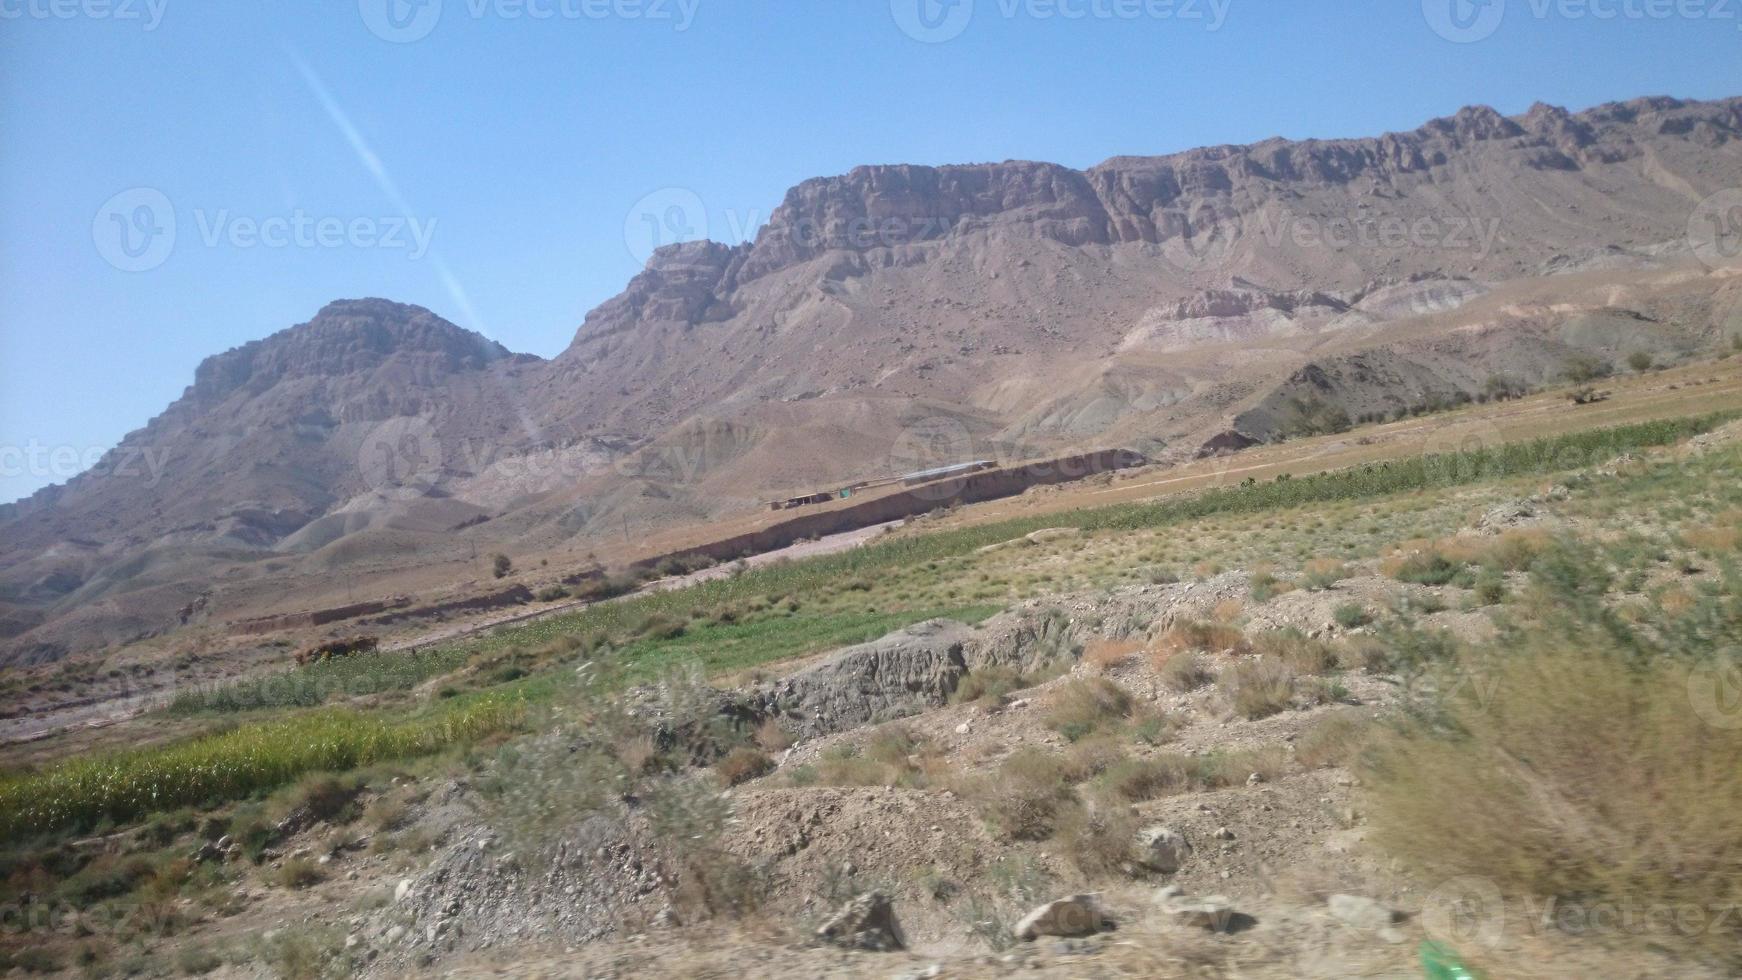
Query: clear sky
[{"x": 287, "y": 142}]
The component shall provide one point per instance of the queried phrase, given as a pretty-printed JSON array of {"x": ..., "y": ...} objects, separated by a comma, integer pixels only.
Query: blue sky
[{"x": 288, "y": 142}]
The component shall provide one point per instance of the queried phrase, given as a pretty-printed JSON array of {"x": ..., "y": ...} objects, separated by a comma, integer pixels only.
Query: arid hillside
[{"x": 893, "y": 318}]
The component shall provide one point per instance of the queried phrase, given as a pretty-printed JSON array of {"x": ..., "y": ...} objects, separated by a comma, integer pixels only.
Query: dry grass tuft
[
  {"x": 1110, "y": 655},
  {"x": 741, "y": 765},
  {"x": 1334, "y": 741},
  {"x": 1581, "y": 773},
  {"x": 1182, "y": 672},
  {"x": 1300, "y": 652},
  {"x": 1257, "y": 688}
]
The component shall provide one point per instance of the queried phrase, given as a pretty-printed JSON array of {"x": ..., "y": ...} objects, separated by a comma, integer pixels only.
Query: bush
[
  {"x": 1137, "y": 780},
  {"x": 1323, "y": 573},
  {"x": 1490, "y": 587},
  {"x": 1099, "y": 839},
  {"x": 1301, "y": 653},
  {"x": 1351, "y": 615},
  {"x": 501, "y": 565},
  {"x": 1575, "y": 770},
  {"x": 1581, "y": 368},
  {"x": 299, "y": 873},
  {"x": 1082, "y": 707},
  {"x": 1426, "y": 568},
  {"x": 741, "y": 765},
  {"x": 1106, "y": 655},
  {"x": 988, "y": 686},
  {"x": 1639, "y": 361},
  {"x": 1334, "y": 741},
  {"x": 552, "y": 593},
  {"x": 1182, "y": 672},
  {"x": 1024, "y": 799},
  {"x": 1258, "y": 688}
]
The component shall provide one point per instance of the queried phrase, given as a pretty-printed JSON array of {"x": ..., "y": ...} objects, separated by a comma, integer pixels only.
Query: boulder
[
  {"x": 917, "y": 667},
  {"x": 1078, "y": 915},
  {"x": 1212, "y": 912},
  {"x": 867, "y": 922},
  {"x": 1162, "y": 849}
]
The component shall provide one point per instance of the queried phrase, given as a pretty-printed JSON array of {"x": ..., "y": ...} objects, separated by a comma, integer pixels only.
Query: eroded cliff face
[{"x": 1023, "y": 306}]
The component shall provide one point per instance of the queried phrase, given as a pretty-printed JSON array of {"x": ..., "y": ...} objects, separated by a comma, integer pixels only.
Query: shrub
[
  {"x": 552, "y": 593},
  {"x": 1323, "y": 573},
  {"x": 1639, "y": 361},
  {"x": 1300, "y": 652},
  {"x": 1083, "y": 706},
  {"x": 501, "y": 565},
  {"x": 1351, "y": 615},
  {"x": 1207, "y": 637},
  {"x": 1576, "y": 770},
  {"x": 1183, "y": 672},
  {"x": 1098, "y": 838},
  {"x": 299, "y": 873},
  {"x": 1107, "y": 655},
  {"x": 1490, "y": 587},
  {"x": 988, "y": 686},
  {"x": 1024, "y": 800},
  {"x": 1425, "y": 568},
  {"x": 741, "y": 765},
  {"x": 1334, "y": 741},
  {"x": 1266, "y": 586},
  {"x": 772, "y": 737},
  {"x": 1580, "y": 368},
  {"x": 1258, "y": 688},
  {"x": 1137, "y": 780}
]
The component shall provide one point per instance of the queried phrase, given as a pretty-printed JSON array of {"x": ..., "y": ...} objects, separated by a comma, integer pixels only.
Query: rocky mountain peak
[{"x": 345, "y": 337}]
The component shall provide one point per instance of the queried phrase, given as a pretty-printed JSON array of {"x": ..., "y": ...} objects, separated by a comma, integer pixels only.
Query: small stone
[
  {"x": 964, "y": 728},
  {"x": 1393, "y": 935},
  {"x": 1162, "y": 849},
  {"x": 867, "y": 922},
  {"x": 1255, "y": 779},
  {"x": 1212, "y": 912},
  {"x": 395, "y": 934},
  {"x": 403, "y": 891},
  {"x": 1223, "y": 833},
  {"x": 1078, "y": 915}
]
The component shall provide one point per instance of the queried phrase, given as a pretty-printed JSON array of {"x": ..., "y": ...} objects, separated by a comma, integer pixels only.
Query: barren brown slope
[{"x": 889, "y": 318}]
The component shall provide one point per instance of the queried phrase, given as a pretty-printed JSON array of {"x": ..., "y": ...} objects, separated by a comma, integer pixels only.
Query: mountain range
[{"x": 888, "y": 319}]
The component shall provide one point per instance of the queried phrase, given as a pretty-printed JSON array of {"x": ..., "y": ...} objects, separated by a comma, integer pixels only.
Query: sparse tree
[
  {"x": 1639, "y": 361},
  {"x": 1583, "y": 368},
  {"x": 501, "y": 565}
]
